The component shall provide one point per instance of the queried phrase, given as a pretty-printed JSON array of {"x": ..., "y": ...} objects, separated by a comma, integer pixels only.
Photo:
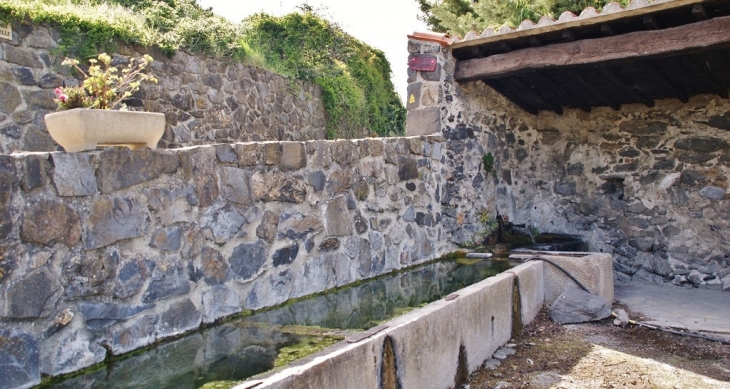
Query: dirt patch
[{"x": 602, "y": 355}]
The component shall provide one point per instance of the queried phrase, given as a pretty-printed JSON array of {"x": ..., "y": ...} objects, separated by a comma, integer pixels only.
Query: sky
[{"x": 383, "y": 24}]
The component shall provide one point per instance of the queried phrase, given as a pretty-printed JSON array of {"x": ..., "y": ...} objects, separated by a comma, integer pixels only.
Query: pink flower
[{"x": 60, "y": 95}]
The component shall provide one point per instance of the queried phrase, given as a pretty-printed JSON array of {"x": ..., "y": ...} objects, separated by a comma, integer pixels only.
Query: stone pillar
[{"x": 425, "y": 91}]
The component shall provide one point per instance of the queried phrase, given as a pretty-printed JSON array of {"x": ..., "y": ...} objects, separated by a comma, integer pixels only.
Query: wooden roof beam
[{"x": 634, "y": 45}]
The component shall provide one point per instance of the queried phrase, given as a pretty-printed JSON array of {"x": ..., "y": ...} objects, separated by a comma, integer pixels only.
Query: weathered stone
[
  {"x": 37, "y": 140},
  {"x": 11, "y": 98},
  {"x": 642, "y": 244},
  {"x": 713, "y": 193},
  {"x": 129, "y": 281},
  {"x": 720, "y": 121},
  {"x": 638, "y": 222},
  {"x": 293, "y": 156},
  {"x": 199, "y": 166},
  {"x": 172, "y": 206},
  {"x": 39, "y": 99},
  {"x": 215, "y": 268},
  {"x": 643, "y": 128},
  {"x": 12, "y": 130},
  {"x": 657, "y": 265},
  {"x": 168, "y": 238},
  {"x": 224, "y": 222},
  {"x": 170, "y": 282},
  {"x": 361, "y": 189},
  {"x": 276, "y": 186},
  {"x": 577, "y": 306},
  {"x": 73, "y": 174},
  {"x": 298, "y": 226},
  {"x": 121, "y": 168},
  {"x": 317, "y": 179},
  {"x": 423, "y": 121},
  {"x": 286, "y": 255},
  {"x": 361, "y": 224},
  {"x": 550, "y": 136},
  {"x": 701, "y": 144},
  {"x": 413, "y": 96},
  {"x": 137, "y": 333},
  {"x": 34, "y": 173},
  {"x": 47, "y": 221},
  {"x": 338, "y": 218},
  {"x": 69, "y": 351},
  {"x": 329, "y": 244},
  {"x": 19, "y": 359},
  {"x": 248, "y": 258},
  {"x": 593, "y": 206},
  {"x": 219, "y": 302},
  {"x": 235, "y": 185},
  {"x": 100, "y": 315},
  {"x": 344, "y": 153},
  {"x": 671, "y": 231},
  {"x": 565, "y": 188},
  {"x": 50, "y": 81},
  {"x": 24, "y": 76},
  {"x": 181, "y": 317},
  {"x": 339, "y": 181},
  {"x": 266, "y": 230},
  {"x": 629, "y": 152},
  {"x": 33, "y": 296},
  {"x": 113, "y": 219},
  {"x": 21, "y": 57},
  {"x": 695, "y": 158},
  {"x": 644, "y": 276},
  {"x": 407, "y": 168}
]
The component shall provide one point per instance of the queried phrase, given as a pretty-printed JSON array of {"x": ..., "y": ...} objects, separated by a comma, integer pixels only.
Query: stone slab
[
  {"x": 594, "y": 271},
  {"x": 532, "y": 288}
]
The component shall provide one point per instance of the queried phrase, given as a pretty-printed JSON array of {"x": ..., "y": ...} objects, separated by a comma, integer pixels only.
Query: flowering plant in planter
[
  {"x": 101, "y": 118},
  {"x": 104, "y": 86}
]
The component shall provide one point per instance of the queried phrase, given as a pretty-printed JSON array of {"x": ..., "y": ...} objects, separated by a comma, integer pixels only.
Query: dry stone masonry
[
  {"x": 205, "y": 100},
  {"x": 647, "y": 185}
]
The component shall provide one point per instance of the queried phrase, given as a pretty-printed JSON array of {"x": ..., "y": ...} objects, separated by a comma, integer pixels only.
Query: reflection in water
[{"x": 240, "y": 349}]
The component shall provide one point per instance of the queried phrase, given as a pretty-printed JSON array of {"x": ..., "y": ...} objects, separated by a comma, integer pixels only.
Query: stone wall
[
  {"x": 205, "y": 100},
  {"x": 647, "y": 185},
  {"x": 108, "y": 251}
]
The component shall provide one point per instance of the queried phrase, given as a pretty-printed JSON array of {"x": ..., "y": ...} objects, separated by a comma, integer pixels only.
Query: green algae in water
[
  {"x": 220, "y": 385},
  {"x": 308, "y": 346}
]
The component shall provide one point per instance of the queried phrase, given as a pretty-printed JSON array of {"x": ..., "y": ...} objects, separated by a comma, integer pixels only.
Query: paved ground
[{"x": 700, "y": 311}]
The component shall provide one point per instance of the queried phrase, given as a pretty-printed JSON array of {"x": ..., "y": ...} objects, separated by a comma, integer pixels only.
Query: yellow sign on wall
[{"x": 6, "y": 32}]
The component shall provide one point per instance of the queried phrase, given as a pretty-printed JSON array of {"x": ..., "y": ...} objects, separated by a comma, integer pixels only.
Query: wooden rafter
[
  {"x": 665, "y": 83},
  {"x": 631, "y": 46},
  {"x": 499, "y": 87},
  {"x": 706, "y": 76},
  {"x": 620, "y": 84},
  {"x": 534, "y": 93},
  {"x": 562, "y": 93}
]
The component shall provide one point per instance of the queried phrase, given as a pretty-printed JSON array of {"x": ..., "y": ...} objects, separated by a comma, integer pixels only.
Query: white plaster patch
[{"x": 668, "y": 181}]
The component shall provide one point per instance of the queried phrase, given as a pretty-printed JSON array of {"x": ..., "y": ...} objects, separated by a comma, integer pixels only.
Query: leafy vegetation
[
  {"x": 461, "y": 16},
  {"x": 354, "y": 77},
  {"x": 488, "y": 164}
]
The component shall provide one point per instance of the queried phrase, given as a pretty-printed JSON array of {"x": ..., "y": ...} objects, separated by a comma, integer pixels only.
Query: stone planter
[{"x": 83, "y": 129}]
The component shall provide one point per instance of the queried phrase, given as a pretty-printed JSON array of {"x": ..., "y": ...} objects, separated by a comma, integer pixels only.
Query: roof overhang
[{"x": 646, "y": 52}]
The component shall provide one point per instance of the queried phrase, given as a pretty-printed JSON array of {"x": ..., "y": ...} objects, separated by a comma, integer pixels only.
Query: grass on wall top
[{"x": 354, "y": 77}]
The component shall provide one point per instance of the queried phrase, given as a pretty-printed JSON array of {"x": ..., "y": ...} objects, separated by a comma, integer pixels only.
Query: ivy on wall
[{"x": 354, "y": 77}]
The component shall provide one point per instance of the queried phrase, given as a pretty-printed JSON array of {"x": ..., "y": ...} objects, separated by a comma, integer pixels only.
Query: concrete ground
[{"x": 705, "y": 312}]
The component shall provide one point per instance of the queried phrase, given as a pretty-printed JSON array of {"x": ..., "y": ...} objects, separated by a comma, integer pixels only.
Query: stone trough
[{"x": 438, "y": 345}]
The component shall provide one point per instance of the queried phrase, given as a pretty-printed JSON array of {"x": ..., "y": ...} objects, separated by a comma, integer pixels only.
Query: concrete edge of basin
[{"x": 440, "y": 344}]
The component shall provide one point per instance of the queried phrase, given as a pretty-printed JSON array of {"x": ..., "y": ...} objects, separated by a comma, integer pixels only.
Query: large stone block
[
  {"x": 224, "y": 221},
  {"x": 100, "y": 315},
  {"x": 277, "y": 186},
  {"x": 19, "y": 359},
  {"x": 423, "y": 122},
  {"x": 248, "y": 258},
  {"x": 33, "y": 296},
  {"x": 47, "y": 221},
  {"x": 199, "y": 165},
  {"x": 337, "y": 218},
  {"x": 172, "y": 206},
  {"x": 11, "y": 98},
  {"x": 122, "y": 168},
  {"x": 220, "y": 301},
  {"x": 298, "y": 226},
  {"x": 235, "y": 185},
  {"x": 73, "y": 174},
  {"x": 530, "y": 282},
  {"x": 215, "y": 268},
  {"x": 181, "y": 317},
  {"x": 136, "y": 333},
  {"x": 171, "y": 282},
  {"x": 293, "y": 156},
  {"x": 266, "y": 230},
  {"x": 113, "y": 219},
  {"x": 168, "y": 238}
]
